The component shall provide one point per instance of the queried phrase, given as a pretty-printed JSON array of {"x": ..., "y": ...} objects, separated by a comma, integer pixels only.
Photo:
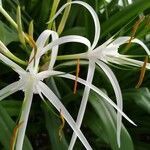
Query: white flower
[
  {"x": 107, "y": 52},
  {"x": 31, "y": 82}
]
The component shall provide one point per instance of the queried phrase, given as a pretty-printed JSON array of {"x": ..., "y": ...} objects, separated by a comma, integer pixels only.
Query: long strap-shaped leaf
[{"x": 118, "y": 95}]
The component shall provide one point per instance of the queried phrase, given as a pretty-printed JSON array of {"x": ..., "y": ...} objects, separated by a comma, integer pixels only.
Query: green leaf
[
  {"x": 7, "y": 34},
  {"x": 42, "y": 10},
  {"x": 52, "y": 123},
  {"x": 75, "y": 31},
  {"x": 139, "y": 97},
  {"x": 12, "y": 107},
  {"x": 105, "y": 124},
  {"x": 122, "y": 17},
  {"x": 6, "y": 130}
]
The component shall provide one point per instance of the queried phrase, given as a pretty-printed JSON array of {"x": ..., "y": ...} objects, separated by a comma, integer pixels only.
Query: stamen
[
  {"x": 14, "y": 135},
  {"x": 61, "y": 126},
  {"x": 148, "y": 21},
  {"x": 135, "y": 27},
  {"x": 77, "y": 75},
  {"x": 33, "y": 45},
  {"x": 142, "y": 74}
]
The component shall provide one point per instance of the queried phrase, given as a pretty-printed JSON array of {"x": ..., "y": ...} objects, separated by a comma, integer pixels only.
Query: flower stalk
[
  {"x": 20, "y": 30},
  {"x": 53, "y": 11}
]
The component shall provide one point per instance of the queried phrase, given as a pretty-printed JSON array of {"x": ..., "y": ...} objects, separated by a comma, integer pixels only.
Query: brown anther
[
  {"x": 61, "y": 126},
  {"x": 142, "y": 74},
  {"x": 77, "y": 75},
  {"x": 148, "y": 21},
  {"x": 14, "y": 135},
  {"x": 134, "y": 29},
  {"x": 32, "y": 43}
]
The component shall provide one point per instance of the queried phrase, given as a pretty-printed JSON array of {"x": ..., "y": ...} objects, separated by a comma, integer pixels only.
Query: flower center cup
[{"x": 26, "y": 80}]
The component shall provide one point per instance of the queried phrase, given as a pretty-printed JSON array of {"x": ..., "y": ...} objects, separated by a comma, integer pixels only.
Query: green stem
[
  {"x": 16, "y": 59},
  {"x": 31, "y": 29},
  {"x": 11, "y": 21},
  {"x": 6, "y": 15},
  {"x": 20, "y": 30},
  {"x": 14, "y": 24},
  {"x": 70, "y": 57},
  {"x": 64, "y": 18},
  {"x": 53, "y": 11}
]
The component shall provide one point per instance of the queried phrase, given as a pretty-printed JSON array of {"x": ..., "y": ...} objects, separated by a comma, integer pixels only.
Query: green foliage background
[{"x": 99, "y": 125}]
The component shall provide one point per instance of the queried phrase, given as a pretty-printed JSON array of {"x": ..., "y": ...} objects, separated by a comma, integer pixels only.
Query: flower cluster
[{"x": 32, "y": 80}]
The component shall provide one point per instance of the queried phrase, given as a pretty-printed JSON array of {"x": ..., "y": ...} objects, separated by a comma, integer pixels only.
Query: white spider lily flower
[
  {"x": 107, "y": 52},
  {"x": 90, "y": 74},
  {"x": 31, "y": 82}
]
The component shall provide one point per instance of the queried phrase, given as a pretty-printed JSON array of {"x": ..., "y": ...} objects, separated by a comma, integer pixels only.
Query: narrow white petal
[
  {"x": 99, "y": 92},
  {"x": 121, "y": 60},
  {"x": 84, "y": 100},
  {"x": 53, "y": 57},
  {"x": 54, "y": 51},
  {"x": 118, "y": 95},
  {"x": 105, "y": 44},
  {"x": 60, "y": 107},
  {"x": 39, "y": 92},
  {"x": 45, "y": 74},
  {"x": 11, "y": 64},
  {"x": 100, "y": 51},
  {"x": 121, "y": 40},
  {"x": 94, "y": 15},
  {"x": 112, "y": 48},
  {"x": 67, "y": 39},
  {"x": 0, "y": 2},
  {"x": 44, "y": 36},
  {"x": 125, "y": 39},
  {"x": 10, "y": 89},
  {"x": 142, "y": 44},
  {"x": 40, "y": 43},
  {"x": 24, "y": 116}
]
